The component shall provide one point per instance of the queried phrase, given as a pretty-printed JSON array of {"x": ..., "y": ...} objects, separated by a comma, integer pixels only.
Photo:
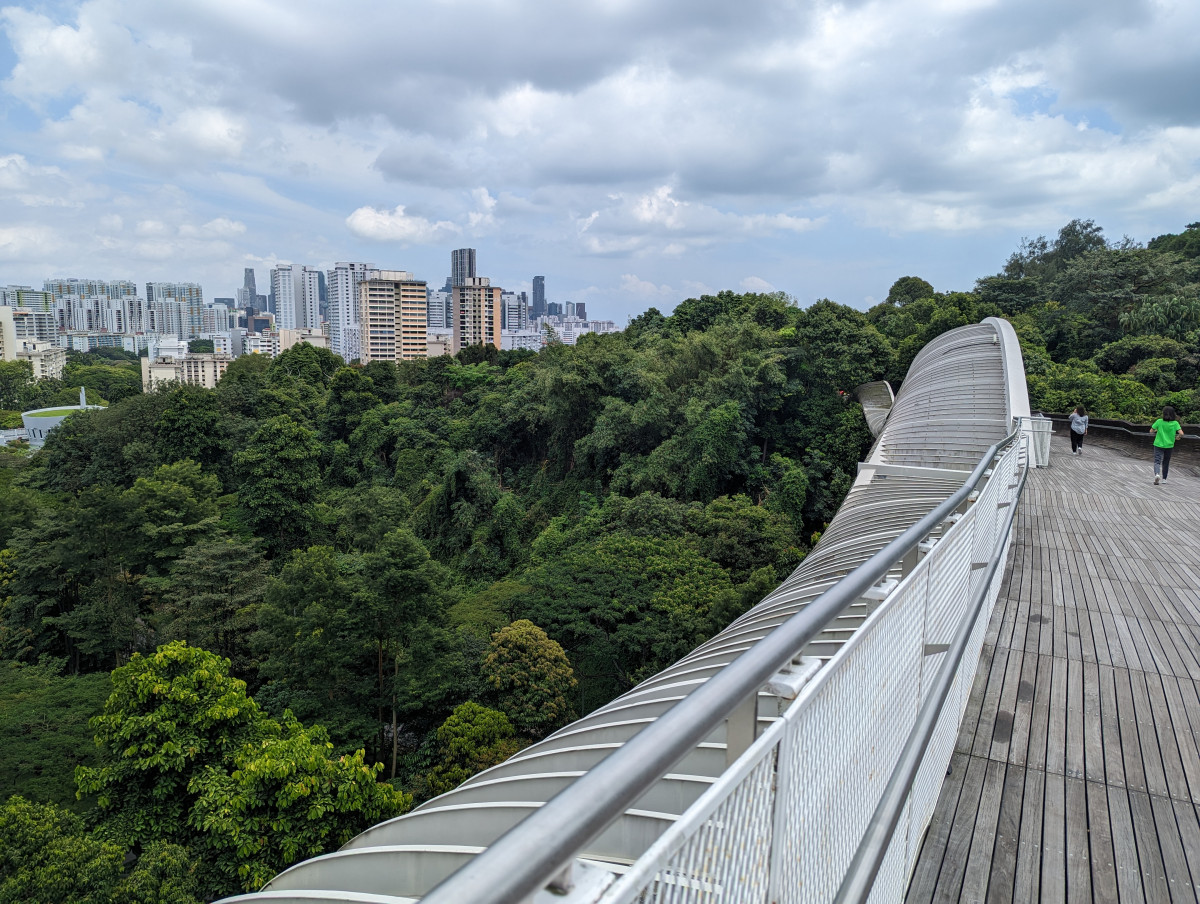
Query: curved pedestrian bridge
[{"x": 1076, "y": 773}]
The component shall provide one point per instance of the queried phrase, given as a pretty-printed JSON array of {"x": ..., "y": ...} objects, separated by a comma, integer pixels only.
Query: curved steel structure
[{"x": 961, "y": 396}]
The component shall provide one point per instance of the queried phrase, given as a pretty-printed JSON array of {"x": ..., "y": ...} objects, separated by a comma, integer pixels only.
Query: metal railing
[{"x": 762, "y": 832}]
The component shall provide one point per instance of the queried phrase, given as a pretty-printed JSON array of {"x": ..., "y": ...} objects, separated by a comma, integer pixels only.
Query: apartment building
[
  {"x": 476, "y": 313},
  {"x": 393, "y": 317}
]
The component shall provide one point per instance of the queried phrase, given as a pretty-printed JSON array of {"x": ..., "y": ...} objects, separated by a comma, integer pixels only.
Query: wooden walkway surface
[{"x": 1076, "y": 775}]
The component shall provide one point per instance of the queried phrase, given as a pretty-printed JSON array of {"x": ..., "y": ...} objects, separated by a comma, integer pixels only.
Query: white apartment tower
[
  {"x": 345, "y": 336},
  {"x": 283, "y": 286},
  {"x": 308, "y": 297}
]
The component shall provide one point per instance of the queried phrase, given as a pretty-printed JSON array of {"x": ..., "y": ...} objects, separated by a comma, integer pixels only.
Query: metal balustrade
[{"x": 753, "y": 768}]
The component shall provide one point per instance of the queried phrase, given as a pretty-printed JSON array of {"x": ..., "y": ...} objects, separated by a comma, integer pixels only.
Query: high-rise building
[
  {"x": 477, "y": 307},
  {"x": 554, "y": 309},
  {"x": 569, "y": 309},
  {"x": 539, "y": 297},
  {"x": 392, "y": 316},
  {"x": 514, "y": 311},
  {"x": 283, "y": 288},
  {"x": 581, "y": 310},
  {"x": 440, "y": 309},
  {"x": 308, "y": 297},
  {"x": 248, "y": 293},
  {"x": 344, "y": 336},
  {"x": 190, "y": 297},
  {"x": 462, "y": 266}
]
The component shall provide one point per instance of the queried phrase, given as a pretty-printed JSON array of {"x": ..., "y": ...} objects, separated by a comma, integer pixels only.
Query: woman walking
[
  {"x": 1166, "y": 430},
  {"x": 1078, "y": 429}
]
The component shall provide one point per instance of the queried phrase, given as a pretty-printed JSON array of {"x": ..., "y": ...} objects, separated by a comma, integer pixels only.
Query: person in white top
[{"x": 1079, "y": 425}]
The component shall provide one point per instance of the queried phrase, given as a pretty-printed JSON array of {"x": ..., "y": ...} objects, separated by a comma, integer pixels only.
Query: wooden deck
[{"x": 1076, "y": 775}]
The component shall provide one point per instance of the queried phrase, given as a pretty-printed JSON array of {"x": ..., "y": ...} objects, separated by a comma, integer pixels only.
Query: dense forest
[{"x": 238, "y": 625}]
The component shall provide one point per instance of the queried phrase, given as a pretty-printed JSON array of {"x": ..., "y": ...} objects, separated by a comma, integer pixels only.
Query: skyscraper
[
  {"x": 248, "y": 293},
  {"x": 462, "y": 266},
  {"x": 392, "y": 317},
  {"x": 308, "y": 297},
  {"x": 539, "y": 297},
  {"x": 476, "y": 314},
  {"x": 581, "y": 310},
  {"x": 283, "y": 288},
  {"x": 342, "y": 280}
]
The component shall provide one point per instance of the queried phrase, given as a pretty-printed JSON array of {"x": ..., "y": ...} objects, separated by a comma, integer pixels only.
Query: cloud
[
  {"x": 756, "y": 284},
  {"x": 396, "y": 226}
]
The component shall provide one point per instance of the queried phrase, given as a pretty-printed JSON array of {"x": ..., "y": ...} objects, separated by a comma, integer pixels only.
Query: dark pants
[
  {"x": 1076, "y": 440},
  {"x": 1162, "y": 457}
]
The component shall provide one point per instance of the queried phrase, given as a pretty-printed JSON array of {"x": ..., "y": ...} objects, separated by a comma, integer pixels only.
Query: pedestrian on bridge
[
  {"x": 1079, "y": 425},
  {"x": 1166, "y": 430}
]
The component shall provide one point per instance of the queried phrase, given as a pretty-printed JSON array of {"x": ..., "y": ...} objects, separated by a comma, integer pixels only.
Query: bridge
[{"x": 812, "y": 751}]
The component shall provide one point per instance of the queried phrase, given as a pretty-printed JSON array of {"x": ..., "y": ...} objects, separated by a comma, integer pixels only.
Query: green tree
[
  {"x": 212, "y": 597},
  {"x": 283, "y": 800},
  {"x": 170, "y": 715},
  {"x": 472, "y": 739},
  {"x": 46, "y": 856},
  {"x": 281, "y": 476},
  {"x": 908, "y": 289},
  {"x": 530, "y": 678},
  {"x": 314, "y": 645}
]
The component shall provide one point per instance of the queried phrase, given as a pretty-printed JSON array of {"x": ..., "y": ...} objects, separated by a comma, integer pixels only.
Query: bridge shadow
[{"x": 1076, "y": 774}]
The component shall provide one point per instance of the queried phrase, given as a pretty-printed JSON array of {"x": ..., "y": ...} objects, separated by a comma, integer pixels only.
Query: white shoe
[
  {"x": 1156, "y": 479},
  {"x": 1164, "y": 480}
]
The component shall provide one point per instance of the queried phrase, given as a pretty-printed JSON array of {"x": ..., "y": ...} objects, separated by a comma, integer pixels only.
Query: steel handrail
[
  {"x": 533, "y": 852},
  {"x": 873, "y": 847}
]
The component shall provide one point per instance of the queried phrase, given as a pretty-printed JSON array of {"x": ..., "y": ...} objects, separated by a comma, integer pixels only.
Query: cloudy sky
[{"x": 634, "y": 152}]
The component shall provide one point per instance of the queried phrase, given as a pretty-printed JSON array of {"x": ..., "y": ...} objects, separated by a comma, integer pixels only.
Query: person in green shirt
[{"x": 1166, "y": 430}]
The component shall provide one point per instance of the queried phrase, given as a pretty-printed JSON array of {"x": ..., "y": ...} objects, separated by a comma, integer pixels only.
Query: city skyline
[{"x": 640, "y": 156}]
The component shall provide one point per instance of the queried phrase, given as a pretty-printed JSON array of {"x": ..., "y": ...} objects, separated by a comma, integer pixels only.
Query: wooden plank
[
  {"x": 1074, "y": 767},
  {"x": 950, "y": 878},
  {"x": 983, "y": 840},
  {"x": 1008, "y": 837},
  {"x": 1027, "y": 877},
  {"x": 1079, "y": 864},
  {"x": 1152, "y": 761},
  {"x": 1175, "y": 865},
  {"x": 1100, "y": 844},
  {"x": 1187, "y": 818},
  {"x": 1168, "y": 747},
  {"x": 1114, "y": 763},
  {"x": 1056, "y": 736},
  {"x": 1002, "y": 731},
  {"x": 1054, "y": 841},
  {"x": 1018, "y": 748},
  {"x": 1093, "y": 731},
  {"x": 1185, "y": 737},
  {"x": 1131, "y": 751},
  {"x": 1145, "y": 836}
]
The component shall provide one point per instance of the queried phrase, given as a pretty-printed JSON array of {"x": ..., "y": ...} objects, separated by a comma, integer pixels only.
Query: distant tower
[
  {"x": 462, "y": 266},
  {"x": 539, "y": 297},
  {"x": 249, "y": 294},
  {"x": 581, "y": 310},
  {"x": 343, "y": 280},
  {"x": 283, "y": 290}
]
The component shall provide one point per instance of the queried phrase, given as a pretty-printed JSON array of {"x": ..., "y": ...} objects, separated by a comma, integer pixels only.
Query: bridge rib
[{"x": 1076, "y": 774}]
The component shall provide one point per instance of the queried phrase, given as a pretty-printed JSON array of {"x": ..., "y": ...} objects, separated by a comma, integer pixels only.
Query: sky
[{"x": 635, "y": 153}]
